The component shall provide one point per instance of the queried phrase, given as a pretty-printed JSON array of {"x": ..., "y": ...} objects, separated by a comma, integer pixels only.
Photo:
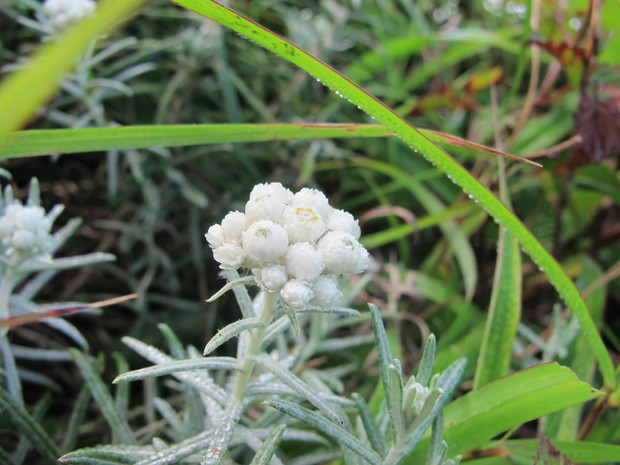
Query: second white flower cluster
[{"x": 295, "y": 244}]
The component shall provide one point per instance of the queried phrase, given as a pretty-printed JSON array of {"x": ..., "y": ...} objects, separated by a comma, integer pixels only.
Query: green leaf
[
  {"x": 504, "y": 313},
  {"x": 412, "y": 137},
  {"x": 105, "y": 455},
  {"x": 51, "y": 141},
  {"x": 373, "y": 433},
  {"x": 329, "y": 428},
  {"x": 576, "y": 451},
  {"x": 24, "y": 91},
  {"x": 104, "y": 400},
  {"x": 299, "y": 386},
  {"x": 425, "y": 367},
  {"x": 268, "y": 447},
  {"x": 505, "y": 403},
  {"x": 232, "y": 330},
  {"x": 29, "y": 427},
  {"x": 211, "y": 363}
]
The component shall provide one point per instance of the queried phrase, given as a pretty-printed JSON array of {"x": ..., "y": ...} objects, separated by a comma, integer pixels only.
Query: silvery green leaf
[
  {"x": 329, "y": 428},
  {"x": 374, "y": 435},
  {"x": 338, "y": 344},
  {"x": 63, "y": 234},
  {"x": 233, "y": 284},
  {"x": 178, "y": 452},
  {"x": 342, "y": 311},
  {"x": 107, "y": 455},
  {"x": 36, "y": 377},
  {"x": 34, "y": 194},
  {"x": 450, "y": 378},
  {"x": 222, "y": 435},
  {"x": 36, "y": 283},
  {"x": 31, "y": 353},
  {"x": 383, "y": 346},
  {"x": 104, "y": 400},
  {"x": 29, "y": 427},
  {"x": 299, "y": 386},
  {"x": 290, "y": 434},
  {"x": 260, "y": 389},
  {"x": 174, "y": 343},
  {"x": 211, "y": 363},
  {"x": 437, "y": 448},
  {"x": 292, "y": 318},
  {"x": 241, "y": 293},
  {"x": 274, "y": 329},
  {"x": 316, "y": 458},
  {"x": 78, "y": 414},
  {"x": 394, "y": 399},
  {"x": 423, "y": 421},
  {"x": 230, "y": 331},
  {"x": 268, "y": 447},
  {"x": 64, "y": 263},
  {"x": 425, "y": 368},
  {"x": 197, "y": 379}
]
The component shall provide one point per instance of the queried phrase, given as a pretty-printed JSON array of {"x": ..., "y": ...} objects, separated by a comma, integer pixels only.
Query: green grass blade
[
  {"x": 504, "y": 313},
  {"x": 104, "y": 399},
  {"x": 25, "y": 90},
  {"x": 29, "y": 427},
  {"x": 505, "y": 403},
  {"x": 412, "y": 137},
  {"x": 51, "y": 141}
]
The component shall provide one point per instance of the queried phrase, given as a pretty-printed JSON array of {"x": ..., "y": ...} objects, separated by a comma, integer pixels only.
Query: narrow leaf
[
  {"x": 212, "y": 363},
  {"x": 374, "y": 435},
  {"x": 504, "y": 313},
  {"x": 29, "y": 427},
  {"x": 299, "y": 386},
  {"x": 230, "y": 331},
  {"x": 329, "y": 428},
  {"x": 425, "y": 368},
  {"x": 395, "y": 402},
  {"x": 268, "y": 447},
  {"x": 104, "y": 400}
]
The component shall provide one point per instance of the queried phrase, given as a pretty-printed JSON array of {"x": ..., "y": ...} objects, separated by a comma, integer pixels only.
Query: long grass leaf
[
  {"x": 212, "y": 363},
  {"x": 412, "y": 137}
]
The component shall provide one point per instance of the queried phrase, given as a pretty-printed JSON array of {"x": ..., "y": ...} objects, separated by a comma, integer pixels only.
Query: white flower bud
[
  {"x": 214, "y": 236},
  {"x": 265, "y": 242},
  {"x": 419, "y": 398},
  {"x": 271, "y": 278},
  {"x": 342, "y": 253},
  {"x": 340, "y": 220},
  {"x": 64, "y": 12},
  {"x": 296, "y": 294},
  {"x": 233, "y": 225},
  {"x": 265, "y": 207},
  {"x": 23, "y": 239},
  {"x": 25, "y": 228},
  {"x": 315, "y": 199},
  {"x": 273, "y": 189},
  {"x": 326, "y": 292},
  {"x": 230, "y": 256},
  {"x": 303, "y": 224},
  {"x": 303, "y": 261}
]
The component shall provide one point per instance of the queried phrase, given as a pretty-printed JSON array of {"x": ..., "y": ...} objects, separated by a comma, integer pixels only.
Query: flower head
[
  {"x": 295, "y": 244},
  {"x": 61, "y": 13},
  {"x": 25, "y": 230}
]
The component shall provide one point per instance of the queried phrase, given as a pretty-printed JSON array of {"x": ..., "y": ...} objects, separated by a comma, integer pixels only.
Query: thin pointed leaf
[
  {"x": 374, "y": 435},
  {"x": 504, "y": 313},
  {"x": 292, "y": 318},
  {"x": 29, "y": 427},
  {"x": 300, "y": 387},
  {"x": 232, "y": 330},
  {"x": 329, "y": 428},
  {"x": 268, "y": 447},
  {"x": 411, "y": 136},
  {"x": 104, "y": 400},
  {"x": 212, "y": 363},
  {"x": 241, "y": 294},
  {"x": 383, "y": 346},
  {"x": 425, "y": 368},
  {"x": 106, "y": 455},
  {"x": 395, "y": 402}
]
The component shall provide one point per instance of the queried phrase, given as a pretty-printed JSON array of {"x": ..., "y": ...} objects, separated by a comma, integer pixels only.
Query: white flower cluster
[
  {"x": 61, "y": 13},
  {"x": 296, "y": 245},
  {"x": 25, "y": 230}
]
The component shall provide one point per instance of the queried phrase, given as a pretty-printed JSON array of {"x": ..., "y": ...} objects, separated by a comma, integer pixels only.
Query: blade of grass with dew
[
  {"x": 442, "y": 161},
  {"x": 24, "y": 91},
  {"x": 36, "y": 142}
]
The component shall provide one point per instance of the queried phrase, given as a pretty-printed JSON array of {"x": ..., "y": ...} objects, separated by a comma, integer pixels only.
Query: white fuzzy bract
[
  {"x": 61, "y": 13},
  {"x": 295, "y": 244},
  {"x": 25, "y": 230}
]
